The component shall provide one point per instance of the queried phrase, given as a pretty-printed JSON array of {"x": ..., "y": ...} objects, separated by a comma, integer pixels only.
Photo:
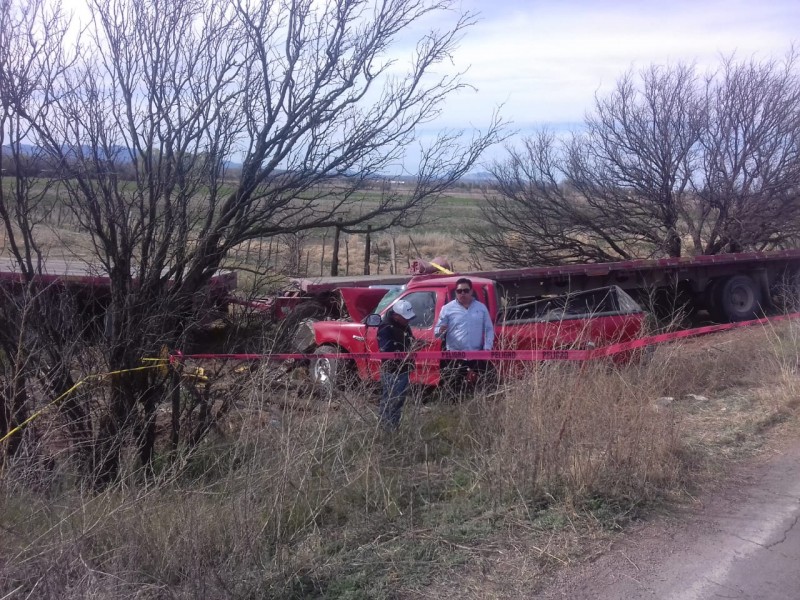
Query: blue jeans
[{"x": 395, "y": 388}]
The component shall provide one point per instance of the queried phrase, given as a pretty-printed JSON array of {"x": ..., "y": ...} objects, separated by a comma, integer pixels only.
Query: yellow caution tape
[
  {"x": 441, "y": 269},
  {"x": 199, "y": 374},
  {"x": 86, "y": 379},
  {"x": 163, "y": 360}
]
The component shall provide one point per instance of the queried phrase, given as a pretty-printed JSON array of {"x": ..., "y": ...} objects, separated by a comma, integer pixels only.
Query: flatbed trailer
[
  {"x": 88, "y": 281},
  {"x": 731, "y": 287}
]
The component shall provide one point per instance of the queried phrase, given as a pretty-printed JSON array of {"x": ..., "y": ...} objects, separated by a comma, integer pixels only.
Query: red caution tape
[{"x": 497, "y": 355}]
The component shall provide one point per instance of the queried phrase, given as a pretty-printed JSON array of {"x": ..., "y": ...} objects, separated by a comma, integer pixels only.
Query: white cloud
[{"x": 546, "y": 60}]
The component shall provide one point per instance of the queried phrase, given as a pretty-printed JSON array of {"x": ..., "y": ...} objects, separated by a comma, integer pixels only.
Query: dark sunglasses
[{"x": 463, "y": 290}]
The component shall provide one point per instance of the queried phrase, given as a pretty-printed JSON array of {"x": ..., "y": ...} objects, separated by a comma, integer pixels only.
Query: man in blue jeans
[{"x": 394, "y": 335}]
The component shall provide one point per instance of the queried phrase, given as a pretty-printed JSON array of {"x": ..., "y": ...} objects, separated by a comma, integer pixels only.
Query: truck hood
[{"x": 361, "y": 301}]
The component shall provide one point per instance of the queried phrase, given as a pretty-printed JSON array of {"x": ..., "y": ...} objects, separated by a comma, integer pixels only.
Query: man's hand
[{"x": 442, "y": 331}]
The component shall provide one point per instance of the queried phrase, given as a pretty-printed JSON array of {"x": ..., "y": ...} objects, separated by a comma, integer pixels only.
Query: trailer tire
[{"x": 737, "y": 298}]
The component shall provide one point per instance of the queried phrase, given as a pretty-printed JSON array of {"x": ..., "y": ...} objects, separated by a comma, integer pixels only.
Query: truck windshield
[{"x": 389, "y": 298}]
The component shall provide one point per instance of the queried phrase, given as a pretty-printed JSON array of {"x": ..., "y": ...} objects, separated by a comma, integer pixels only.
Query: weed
[{"x": 315, "y": 502}]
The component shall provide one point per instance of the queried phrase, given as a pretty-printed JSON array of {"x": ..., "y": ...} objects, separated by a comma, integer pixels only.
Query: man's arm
[
  {"x": 385, "y": 341},
  {"x": 441, "y": 323},
  {"x": 488, "y": 329}
]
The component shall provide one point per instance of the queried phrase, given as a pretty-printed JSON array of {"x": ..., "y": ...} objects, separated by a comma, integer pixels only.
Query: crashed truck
[{"x": 569, "y": 306}]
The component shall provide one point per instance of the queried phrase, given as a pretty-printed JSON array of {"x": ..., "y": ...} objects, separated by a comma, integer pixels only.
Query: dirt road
[{"x": 742, "y": 542}]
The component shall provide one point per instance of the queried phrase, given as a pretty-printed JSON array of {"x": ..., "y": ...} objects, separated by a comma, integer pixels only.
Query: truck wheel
[
  {"x": 326, "y": 373},
  {"x": 737, "y": 298}
]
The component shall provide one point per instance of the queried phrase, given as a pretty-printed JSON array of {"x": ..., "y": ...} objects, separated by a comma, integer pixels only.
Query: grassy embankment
[{"x": 481, "y": 498}]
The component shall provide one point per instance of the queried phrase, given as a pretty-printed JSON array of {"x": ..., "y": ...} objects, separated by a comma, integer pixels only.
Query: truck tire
[
  {"x": 737, "y": 298},
  {"x": 327, "y": 374}
]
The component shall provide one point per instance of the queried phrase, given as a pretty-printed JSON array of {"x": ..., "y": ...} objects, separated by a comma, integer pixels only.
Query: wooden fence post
[
  {"x": 335, "y": 258},
  {"x": 367, "y": 249}
]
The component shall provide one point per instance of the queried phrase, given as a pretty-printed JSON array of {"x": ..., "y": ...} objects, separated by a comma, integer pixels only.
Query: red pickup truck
[{"x": 584, "y": 319}]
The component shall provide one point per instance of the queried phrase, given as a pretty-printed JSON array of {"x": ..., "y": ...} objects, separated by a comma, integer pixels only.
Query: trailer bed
[
  {"x": 537, "y": 281},
  {"x": 83, "y": 274}
]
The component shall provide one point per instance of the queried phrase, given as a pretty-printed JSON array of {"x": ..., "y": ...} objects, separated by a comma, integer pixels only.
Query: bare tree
[
  {"x": 532, "y": 215},
  {"x": 40, "y": 330},
  {"x": 747, "y": 190},
  {"x": 310, "y": 98},
  {"x": 665, "y": 158},
  {"x": 614, "y": 191}
]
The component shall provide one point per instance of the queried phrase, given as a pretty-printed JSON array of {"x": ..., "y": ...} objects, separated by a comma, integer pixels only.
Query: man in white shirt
[{"x": 464, "y": 324}]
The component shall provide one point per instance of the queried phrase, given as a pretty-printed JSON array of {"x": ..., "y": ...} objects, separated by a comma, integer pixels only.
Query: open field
[
  {"x": 306, "y": 253},
  {"x": 481, "y": 499},
  {"x": 309, "y": 254}
]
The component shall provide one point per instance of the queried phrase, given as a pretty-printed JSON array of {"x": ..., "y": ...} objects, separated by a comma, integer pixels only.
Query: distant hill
[
  {"x": 478, "y": 177},
  {"x": 122, "y": 156}
]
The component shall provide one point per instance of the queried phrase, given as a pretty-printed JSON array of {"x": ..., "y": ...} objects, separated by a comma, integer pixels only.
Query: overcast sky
[{"x": 545, "y": 60}]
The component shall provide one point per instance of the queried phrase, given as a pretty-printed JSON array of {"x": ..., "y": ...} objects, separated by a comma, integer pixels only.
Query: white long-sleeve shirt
[{"x": 467, "y": 328}]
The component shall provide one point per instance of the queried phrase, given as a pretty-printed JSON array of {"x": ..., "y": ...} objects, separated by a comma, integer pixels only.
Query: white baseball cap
[{"x": 404, "y": 309}]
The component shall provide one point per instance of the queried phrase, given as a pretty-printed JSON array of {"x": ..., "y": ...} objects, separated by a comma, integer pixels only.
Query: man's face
[
  {"x": 464, "y": 294},
  {"x": 400, "y": 319}
]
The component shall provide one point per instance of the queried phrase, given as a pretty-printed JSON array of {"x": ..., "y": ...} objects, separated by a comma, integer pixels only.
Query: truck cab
[{"x": 427, "y": 295}]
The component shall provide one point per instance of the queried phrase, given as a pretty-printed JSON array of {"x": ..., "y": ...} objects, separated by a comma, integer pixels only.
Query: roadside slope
[{"x": 742, "y": 541}]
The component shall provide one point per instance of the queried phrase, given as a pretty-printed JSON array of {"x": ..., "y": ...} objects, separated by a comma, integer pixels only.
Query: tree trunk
[
  {"x": 347, "y": 255},
  {"x": 673, "y": 244},
  {"x": 147, "y": 434},
  {"x": 15, "y": 401},
  {"x": 78, "y": 420},
  {"x": 175, "y": 394},
  {"x": 322, "y": 258}
]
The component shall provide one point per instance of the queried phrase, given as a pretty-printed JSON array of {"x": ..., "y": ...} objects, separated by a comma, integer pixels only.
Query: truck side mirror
[{"x": 372, "y": 320}]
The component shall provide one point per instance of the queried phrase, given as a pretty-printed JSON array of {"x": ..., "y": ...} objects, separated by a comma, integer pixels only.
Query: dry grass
[
  {"x": 319, "y": 503},
  {"x": 294, "y": 498}
]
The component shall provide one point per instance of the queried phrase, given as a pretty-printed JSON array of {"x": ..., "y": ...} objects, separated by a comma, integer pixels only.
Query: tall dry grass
[{"x": 317, "y": 501}]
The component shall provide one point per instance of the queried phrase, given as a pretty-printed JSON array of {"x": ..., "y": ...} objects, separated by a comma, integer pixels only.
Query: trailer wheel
[{"x": 737, "y": 298}]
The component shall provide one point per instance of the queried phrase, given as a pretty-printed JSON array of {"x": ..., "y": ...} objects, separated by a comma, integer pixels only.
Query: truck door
[{"x": 427, "y": 305}]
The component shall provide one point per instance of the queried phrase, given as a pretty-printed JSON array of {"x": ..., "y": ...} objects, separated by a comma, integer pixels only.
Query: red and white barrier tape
[{"x": 497, "y": 355}]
